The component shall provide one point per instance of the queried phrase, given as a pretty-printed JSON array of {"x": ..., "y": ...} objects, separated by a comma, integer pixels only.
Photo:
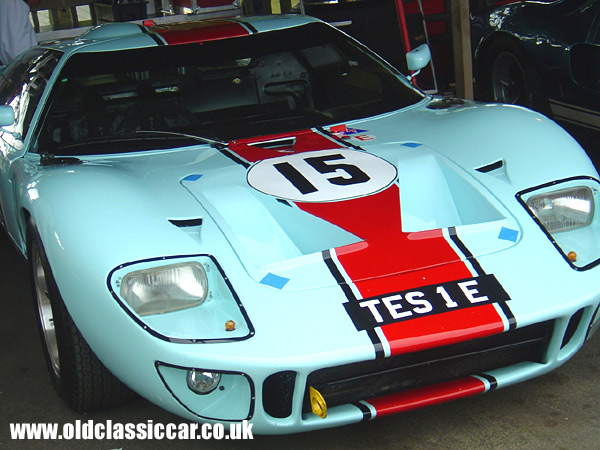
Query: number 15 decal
[
  {"x": 321, "y": 176},
  {"x": 322, "y": 166}
]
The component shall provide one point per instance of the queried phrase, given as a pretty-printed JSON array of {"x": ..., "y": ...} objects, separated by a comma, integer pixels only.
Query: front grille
[
  {"x": 278, "y": 393},
  {"x": 572, "y": 328},
  {"x": 360, "y": 381}
]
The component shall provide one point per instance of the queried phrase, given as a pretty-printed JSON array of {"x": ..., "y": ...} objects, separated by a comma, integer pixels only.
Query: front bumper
[
  {"x": 280, "y": 402},
  {"x": 302, "y": 338}
]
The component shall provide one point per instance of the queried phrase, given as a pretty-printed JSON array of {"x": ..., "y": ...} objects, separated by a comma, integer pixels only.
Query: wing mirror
[
  {"x": 418, "y": 58},
  {"x": 7, "y": 116}
]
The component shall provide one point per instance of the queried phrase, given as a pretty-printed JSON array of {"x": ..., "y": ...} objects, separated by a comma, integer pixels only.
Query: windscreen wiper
[{"x": 213, "y": 142}]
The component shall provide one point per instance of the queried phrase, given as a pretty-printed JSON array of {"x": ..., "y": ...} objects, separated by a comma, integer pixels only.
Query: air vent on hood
[
  {"x": 491, "y": 167},
  {"x": 281, "y": 145},
  {"x": 445, "y": 103},
  {"x": 192, "y": 226},
  {"x": 185, "y": 223},
  {"x": 496, "y": 168}
]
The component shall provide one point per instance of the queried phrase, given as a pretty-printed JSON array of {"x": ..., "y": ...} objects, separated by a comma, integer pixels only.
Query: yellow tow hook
[{"x": 317, "y": 403}]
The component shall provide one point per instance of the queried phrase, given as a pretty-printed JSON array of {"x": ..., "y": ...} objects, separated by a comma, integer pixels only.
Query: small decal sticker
[
  {"x": 192, "y": 177},
  {"x": 322, "y": 176},
  {"x": 411, "y": 144},
  {"x": 275, "y": 281},
  {"x": 508, "y": 234},
  {"x": 399, "y": 306},
  {"x": 343, "y": 132}
]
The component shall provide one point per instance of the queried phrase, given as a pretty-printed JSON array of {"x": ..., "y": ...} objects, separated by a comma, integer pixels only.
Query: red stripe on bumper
[{"x": 427, "y": 396}]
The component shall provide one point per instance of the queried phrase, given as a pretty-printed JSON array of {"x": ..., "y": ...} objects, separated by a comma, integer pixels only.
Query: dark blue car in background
[{"x": 546, "y": 56}]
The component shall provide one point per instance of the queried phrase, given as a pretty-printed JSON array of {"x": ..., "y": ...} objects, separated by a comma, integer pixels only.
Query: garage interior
[{"x": 556, "y": 411}]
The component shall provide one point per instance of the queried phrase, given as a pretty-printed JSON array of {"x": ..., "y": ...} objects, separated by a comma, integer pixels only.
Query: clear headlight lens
[
  {"x": 165, "y": 289},
  {"x": 203, "y": 382},
  {"x": 564, "y": 209}
]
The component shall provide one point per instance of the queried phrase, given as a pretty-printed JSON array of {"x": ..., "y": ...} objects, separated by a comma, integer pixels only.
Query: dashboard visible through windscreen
[{"x": 264, "y": 83}]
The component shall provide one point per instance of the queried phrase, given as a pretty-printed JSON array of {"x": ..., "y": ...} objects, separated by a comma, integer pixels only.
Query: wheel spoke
[
  {"x": 46, "y": 315},
  {"x": 508, "y": 79}
]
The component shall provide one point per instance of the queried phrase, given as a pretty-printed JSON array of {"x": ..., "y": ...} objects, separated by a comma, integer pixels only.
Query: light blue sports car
[{"x": 258, "y": 219}]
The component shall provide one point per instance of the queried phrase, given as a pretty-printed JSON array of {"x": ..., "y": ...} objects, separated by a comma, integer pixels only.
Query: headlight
[
  {"x": 203, "y": 382},
  {"x": 165, "y": 289},
  {"x": 199, "y": 300},
  {"x": 564, "y": 209}
]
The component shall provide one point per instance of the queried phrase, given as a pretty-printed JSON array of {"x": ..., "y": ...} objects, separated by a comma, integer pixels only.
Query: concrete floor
[{"x": 558, "y": 411}]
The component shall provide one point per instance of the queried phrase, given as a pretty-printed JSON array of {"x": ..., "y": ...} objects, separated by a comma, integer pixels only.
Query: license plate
[{"x": 423, "y": 301}]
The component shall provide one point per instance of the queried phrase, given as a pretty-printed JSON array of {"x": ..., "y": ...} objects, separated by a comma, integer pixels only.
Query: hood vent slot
[
  {"x": 186, "y": 223},
  {"x": 191, "y": 226},
  {"x": 496, "y": 169},
  {"x": 285, "y": 145},
  {"x": 491, "y": 167}
]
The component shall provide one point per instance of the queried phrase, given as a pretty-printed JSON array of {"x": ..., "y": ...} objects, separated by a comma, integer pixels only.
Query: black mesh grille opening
[
  {"x": 278, "y": 391},
  {"x": 572, "y": 327},
  {"x": 353, "y": 382}
]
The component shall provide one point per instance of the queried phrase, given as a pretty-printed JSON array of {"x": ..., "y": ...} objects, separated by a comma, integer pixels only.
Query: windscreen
[{"x": 260, "y": 84}]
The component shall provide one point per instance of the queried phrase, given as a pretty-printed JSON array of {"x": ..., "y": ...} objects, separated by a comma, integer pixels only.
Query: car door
[
  {"x": 22, "y": 86},
  {"x": 577, "y": 104}
]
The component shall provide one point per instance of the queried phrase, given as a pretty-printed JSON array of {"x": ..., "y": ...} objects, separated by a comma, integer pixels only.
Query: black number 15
[{"x": 322, "y": 165}]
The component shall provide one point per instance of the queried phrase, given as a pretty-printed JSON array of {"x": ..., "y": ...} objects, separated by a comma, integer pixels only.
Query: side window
[{"x": 21, "y": 86}]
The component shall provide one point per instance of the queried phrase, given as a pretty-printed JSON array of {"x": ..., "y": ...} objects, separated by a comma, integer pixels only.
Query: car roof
[{"x": 120, "y": 36}]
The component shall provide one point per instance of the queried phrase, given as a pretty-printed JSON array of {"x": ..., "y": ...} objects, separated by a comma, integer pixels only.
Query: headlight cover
[
  {"x": 165, "y": 289},
  {"x": 565, "y": 210},
  {"x": 186, "y": 299}
]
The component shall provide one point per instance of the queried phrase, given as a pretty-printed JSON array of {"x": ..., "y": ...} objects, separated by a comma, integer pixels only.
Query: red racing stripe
[
  {"x": 427, "y": 396},
  {"x": 443, "y": 329},
  {"x": 304, "y": 141},
  {"x": 385, "y": 249},
  {"x": 186, "y": 33},
  {"x": 387, "y": 259}
]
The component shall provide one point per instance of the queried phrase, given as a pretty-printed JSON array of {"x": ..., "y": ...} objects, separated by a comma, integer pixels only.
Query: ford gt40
[{"x": 259, "y": 220}]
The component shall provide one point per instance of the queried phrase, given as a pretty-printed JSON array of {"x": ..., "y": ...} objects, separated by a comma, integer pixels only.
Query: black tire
[
  {"x": 78, "y": 376},
  {"x": 506, "y": 75}
]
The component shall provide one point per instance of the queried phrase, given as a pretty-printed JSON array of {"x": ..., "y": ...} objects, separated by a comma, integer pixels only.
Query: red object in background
[
  {"x": 379, "y": 25},
  {"x": 402, "y": 22}
]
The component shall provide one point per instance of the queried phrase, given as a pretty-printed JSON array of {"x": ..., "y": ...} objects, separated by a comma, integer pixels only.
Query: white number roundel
[{"x": 322, "y": 176}]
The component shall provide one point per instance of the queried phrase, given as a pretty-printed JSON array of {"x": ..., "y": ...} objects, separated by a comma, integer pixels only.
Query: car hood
[
  {"x": 387, "y": 195},
  {"x": 290, "y": 200}
]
